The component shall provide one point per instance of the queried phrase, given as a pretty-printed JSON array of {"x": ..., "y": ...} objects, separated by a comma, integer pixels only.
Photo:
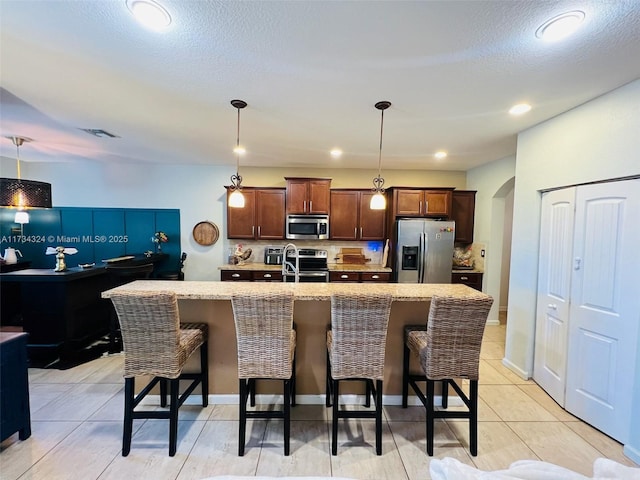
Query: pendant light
[
  {"x": 23, "y": 194},
  {"x": 378, "y": 201},
  {"x": 236, "y": 199}
]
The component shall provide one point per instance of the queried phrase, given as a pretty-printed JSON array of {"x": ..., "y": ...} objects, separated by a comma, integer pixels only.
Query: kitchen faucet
[{"x": 288, "y": 266}]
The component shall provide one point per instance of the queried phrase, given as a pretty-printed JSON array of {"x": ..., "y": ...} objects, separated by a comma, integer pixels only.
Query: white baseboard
[
  {"x": 632, "y": 453},
  {"x": 515, "y": 369},
  {"x": 493, "y": 321},
  {"x": 387, "y": 400}
]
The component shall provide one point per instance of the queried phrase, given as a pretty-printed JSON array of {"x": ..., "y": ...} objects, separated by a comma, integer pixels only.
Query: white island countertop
[{"x": 205, "y": 290}]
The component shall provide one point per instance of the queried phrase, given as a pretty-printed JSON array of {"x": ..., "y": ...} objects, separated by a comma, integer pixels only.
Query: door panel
[
  {"x": 605, "y": 304},
  {"x": 554, "y": 281}
]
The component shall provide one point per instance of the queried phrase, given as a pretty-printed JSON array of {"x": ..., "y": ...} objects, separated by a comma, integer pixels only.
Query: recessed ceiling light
[
  {"x": 440, "y": 154},
  {"x": 149, "y": 13},
  {"x": 520, "y": 109},
  {"x": 240, "y": 150},
  {"x": 561, "y": 26},
  {"x": 336, "y": 153}
]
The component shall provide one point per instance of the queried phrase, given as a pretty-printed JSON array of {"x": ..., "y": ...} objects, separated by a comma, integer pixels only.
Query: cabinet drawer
[
  {"x": 344, "y": 277},
  {"x": 472, "y": 279},
  {"x": 268, "y": 276},
  {"x": 235, "y": 276},
  {"x": 375, "y": 277}
]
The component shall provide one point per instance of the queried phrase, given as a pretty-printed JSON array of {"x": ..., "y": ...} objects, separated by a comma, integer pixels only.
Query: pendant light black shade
[{"x": 19, "y": 193}]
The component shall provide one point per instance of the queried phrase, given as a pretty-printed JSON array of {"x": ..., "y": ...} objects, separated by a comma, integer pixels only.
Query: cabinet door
[
  {"x": 372, "y": 222},
  {"x": 343, "y": 222},
  {"x": 241, "y": 221},
  {"x": 270, "y": 214},
  {"x": 463, "y": 204},
  {"x": 437, "y": 203},
  {"x": 297, "y": 196},
  {"x": 318, "y": 196},
  {"x": 408, "y": 203}
]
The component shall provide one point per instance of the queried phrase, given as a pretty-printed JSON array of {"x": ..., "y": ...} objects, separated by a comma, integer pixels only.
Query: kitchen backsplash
[
  {"x": 372, "y": 250},
  {"x": 470, "y": 255}
]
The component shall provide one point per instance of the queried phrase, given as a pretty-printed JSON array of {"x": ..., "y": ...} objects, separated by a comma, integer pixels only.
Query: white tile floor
[{"x": 77, "y": 433}]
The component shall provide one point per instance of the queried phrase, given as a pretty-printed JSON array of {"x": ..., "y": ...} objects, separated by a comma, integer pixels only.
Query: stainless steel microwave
[{"x": 308, "y": 227}]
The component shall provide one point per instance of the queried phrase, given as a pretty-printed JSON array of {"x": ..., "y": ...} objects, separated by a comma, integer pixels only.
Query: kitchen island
[{"x": 209, "y": 302}]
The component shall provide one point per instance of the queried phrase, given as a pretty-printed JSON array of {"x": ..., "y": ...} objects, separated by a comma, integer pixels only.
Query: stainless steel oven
[{"x": 312, "y": 265}]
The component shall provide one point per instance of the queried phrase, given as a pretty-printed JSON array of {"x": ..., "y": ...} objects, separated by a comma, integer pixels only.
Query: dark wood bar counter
[{"x": 63, "y": 312}]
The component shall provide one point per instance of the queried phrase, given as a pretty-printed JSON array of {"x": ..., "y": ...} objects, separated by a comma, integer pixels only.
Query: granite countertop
[
  {"x": 203, "y": 290},
  {"x": 466, "y": 270},
  {"x": 333, "y": 267}
]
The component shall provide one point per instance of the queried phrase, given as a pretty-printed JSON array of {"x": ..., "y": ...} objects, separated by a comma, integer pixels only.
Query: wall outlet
[{"x": 482, "y": 253}]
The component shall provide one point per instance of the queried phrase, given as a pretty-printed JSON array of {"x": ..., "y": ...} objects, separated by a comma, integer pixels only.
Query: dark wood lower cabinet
[
  {"x": 359, "y": 277},
  {"x": 14, "y": 386},
  {"x": 472, "y": 279},
  {"x": 251, "y": 276}
]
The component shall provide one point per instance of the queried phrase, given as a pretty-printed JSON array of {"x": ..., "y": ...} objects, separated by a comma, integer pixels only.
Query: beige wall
[{"x": 595, "y": 141}]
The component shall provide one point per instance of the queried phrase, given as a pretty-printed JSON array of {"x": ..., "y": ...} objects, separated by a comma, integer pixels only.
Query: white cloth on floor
[{"x": 603, "y": 469}]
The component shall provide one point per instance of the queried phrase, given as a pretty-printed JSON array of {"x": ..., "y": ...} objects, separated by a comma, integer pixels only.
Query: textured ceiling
[{"x": 310, "y": 72}]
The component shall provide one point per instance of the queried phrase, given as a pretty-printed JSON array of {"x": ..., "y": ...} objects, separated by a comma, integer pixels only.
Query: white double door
[{"x": 588, "y": 309}]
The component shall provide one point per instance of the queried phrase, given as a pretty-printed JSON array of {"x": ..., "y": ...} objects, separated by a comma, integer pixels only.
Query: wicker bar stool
[
  {"x": 355, "y": 351},
  {"x": 156, "y": 344},
  {"x": 266, "y": 341},
  {"x": 448, "y": 349},
  {"x": 119, "y": 275}
]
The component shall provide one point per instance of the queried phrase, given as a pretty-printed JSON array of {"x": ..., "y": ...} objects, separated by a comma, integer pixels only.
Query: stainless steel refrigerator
[{"x": 424, "y": 251}]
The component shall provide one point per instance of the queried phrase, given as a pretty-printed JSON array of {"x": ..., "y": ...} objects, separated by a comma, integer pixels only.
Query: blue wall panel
[
  {"x": 97, "y": 233},
  {"x": 110, "y": 236},
  {"x": 76, "y": 228},
  {"x": 140, "y": 225}
]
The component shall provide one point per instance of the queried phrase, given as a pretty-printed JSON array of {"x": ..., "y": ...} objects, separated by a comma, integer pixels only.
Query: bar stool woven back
[
  {"x": 156, "y": 344},
  {"x": 356, "y": 347},
  {"x": 448, "y": 349},
  {"x": 266, "y": 342}
]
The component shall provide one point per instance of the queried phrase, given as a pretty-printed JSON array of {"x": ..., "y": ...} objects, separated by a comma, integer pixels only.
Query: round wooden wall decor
[{"x": 205, "y": 233}]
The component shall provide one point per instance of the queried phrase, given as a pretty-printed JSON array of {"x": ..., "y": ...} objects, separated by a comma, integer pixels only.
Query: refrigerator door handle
[
  {"x": 421, "y": 253},
  {"x": 425, "y": 256}
]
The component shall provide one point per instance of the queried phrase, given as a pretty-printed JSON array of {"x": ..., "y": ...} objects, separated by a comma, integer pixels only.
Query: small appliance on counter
[{"x": 273, "y": 255}]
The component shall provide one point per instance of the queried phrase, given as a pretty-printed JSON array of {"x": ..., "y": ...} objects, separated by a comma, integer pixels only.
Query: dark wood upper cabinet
[
  {"x": 308, "y": 195},
  {"x": 463, "y": 212},
  {"x": 420, "y": 202},
  {"x": 270, "y": 217},
  {"x": 352, "y": 219},
  {"x": 262, "y": 217}
]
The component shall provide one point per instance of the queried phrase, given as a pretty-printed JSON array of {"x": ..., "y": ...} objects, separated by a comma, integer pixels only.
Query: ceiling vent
[{"x": 98, "y": 132}]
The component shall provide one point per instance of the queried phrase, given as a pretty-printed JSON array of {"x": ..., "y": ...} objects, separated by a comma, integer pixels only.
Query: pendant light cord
[
  {"x": 380, "y": 151},
  {"x": 17, "y": 141},
  {"x": 238, "y": 145}
]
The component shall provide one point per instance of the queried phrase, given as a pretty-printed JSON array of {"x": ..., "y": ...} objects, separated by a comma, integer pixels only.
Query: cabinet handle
[
  {"x": 266, "y": 275},
  {"x": 375, "y": 276},
  {"x": 253, "y": 230},
  {"x": 360, "y": 232},
  {"x": 310, "y": 206},
  {"x": 355, "y": 232},
  {"x": 235, "y": 275},
  {"x": 464, "y": 278},
  {"x": 420, "y": 207},
  {"x": 258, "y": 230},
  {"x": 426, "y": 207},
  {"x": 304, "y": 206},
  {"x": 344, "y": 276}
]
